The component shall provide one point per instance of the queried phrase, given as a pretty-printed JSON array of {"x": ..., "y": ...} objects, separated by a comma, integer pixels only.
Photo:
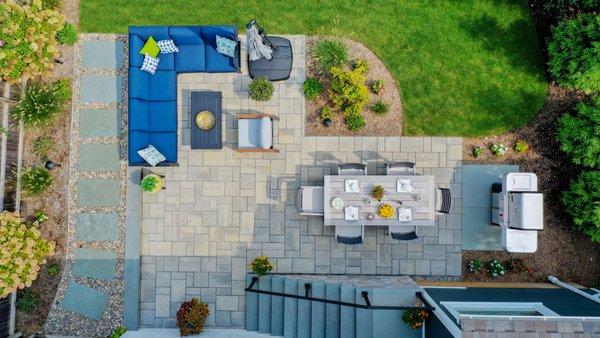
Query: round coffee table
[{"x": 205, "y": 120}]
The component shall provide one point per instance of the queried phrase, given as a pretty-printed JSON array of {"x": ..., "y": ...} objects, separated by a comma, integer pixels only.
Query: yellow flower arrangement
[
  {"x": 386, "y": 211},
  {"x": 261, "y": 265}
]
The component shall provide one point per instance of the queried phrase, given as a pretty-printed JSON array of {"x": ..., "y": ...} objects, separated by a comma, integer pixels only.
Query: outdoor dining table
[{"x": 421, "y": 200}]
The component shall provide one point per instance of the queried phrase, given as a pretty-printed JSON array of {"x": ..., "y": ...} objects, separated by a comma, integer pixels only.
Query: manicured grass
[{"x": 464, "y": 67}]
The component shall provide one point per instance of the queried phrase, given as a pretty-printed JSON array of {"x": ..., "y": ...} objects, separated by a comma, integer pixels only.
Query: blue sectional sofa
[{"x": 153, "y": 98}]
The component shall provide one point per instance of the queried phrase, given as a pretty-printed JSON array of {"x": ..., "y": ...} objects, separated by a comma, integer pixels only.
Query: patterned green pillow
[
  {"x": 226, "y": 46},
  {"x": 150, "y": 48}
]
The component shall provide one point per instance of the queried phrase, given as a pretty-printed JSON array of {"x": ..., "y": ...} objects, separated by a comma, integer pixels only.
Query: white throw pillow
[
  {"x": 150, "y": 64},
  {"x": 266, "y": 133},
  {"x": 151, "y": 155},
  {"x": 167, "y": 46}
]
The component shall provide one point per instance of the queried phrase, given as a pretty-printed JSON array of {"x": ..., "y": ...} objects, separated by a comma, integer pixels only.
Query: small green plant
[
  {"x": 191, "y": 317},
  {"x": 63, "y": 89},
  {"x": 475, "y": 265},
  {"x": 377, "y": 86},
  {"x": 329, "y": 54},
  {"x": 521, "y": 146},
  {"x": 261, "y": 265},
  {"x": 496, "y": 269},
  {"x": 415, "y": 318},
  {"x": 355, "y": 122},
  {"x": 582, "y": 201},
  {"x": 261, "y": 89},
  {"x": 149, "y": 183},
  {"x": 326, "y": 113},
  {"x": 27, "y": 301},
  {"x": 361, "y": 66},
  {"x": 477, "y": 151},
  {"x": 380, "y": 108},
  {"x": 498, "y": 149},
  {"x": 35, "y": 180},
  {"x": 67, "y": 35},
  {"x": 51, "y": 4},
  {"x": 42, "y": 145},
  {"x": 39, "y": 106},
  {"x": 579, "y": 134},
  {"x": 118, "y": 332},
  {"x": 312, "y": 88},
  {"x": 518, "y": 265},
  {"x": 378, "y": 192},
  {"x": 53, "y": 269},
  {"x": 40, "y": 216}
]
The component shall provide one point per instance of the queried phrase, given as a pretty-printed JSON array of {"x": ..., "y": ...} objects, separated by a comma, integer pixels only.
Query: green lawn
[{"x": 464, "y": 67}]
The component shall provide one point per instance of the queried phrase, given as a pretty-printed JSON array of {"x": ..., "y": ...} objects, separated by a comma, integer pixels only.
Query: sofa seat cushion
[
  {"x": 144, "y": 32},
  {"x": 186, "y": 35},
  {"x": 217, "y": 62},
  {"x": 190, "y": 58},
  {"x": 162, "y": 86},
  {"x": 167, "y": 61},
  {"x": 154, "y": 116},
  {"x": 249, "y": 133},
  {"x": 266, "y": 133},
  {"x": 164, "y": 142}
]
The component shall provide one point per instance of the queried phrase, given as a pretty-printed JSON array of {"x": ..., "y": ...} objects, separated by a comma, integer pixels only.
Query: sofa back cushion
[
  {"x": 209, "y": 34},
  {"x": 185, "y": 35},
  {"x": 144, "y": 32},
  {"x": 135, "y": 45}
]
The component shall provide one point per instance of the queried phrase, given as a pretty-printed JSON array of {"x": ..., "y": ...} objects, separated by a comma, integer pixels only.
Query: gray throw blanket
[{"x": 256, "y": 47}]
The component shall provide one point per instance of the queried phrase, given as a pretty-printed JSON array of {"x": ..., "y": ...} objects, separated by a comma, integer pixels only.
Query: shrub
[
  {"x": 51, "y": 4},
  {"x": 149, "y": 183},
  {"x": 118, "y": 332},
  {"x": 63, "y": 89},
  {"x": 477, "y": 151},
  {"x": 355, "y": 122},
  {"x": 378, "y": 192},
  {"x": 361, "y": 66},
  {"x": 261, "y": 265},
  {"x": 42, "y": 145},
  {"x": 582, "y": 201},
  {"x": 35, "y": 180},
  {"x": 498, "y": 149},
  {"x": 574, "y": 53},
  {"x": 414, "y": 318},
  {"x": 312, "y": 88},
  {"x": 40, "y": 105},
  {"x": 521, "y": 146},
  {"x": 261, "y": 89},
  {"x": 377, "y": 86},
  {"x": 326, "y": 113},
  {"x": 348, "y": 91},
  {"x": 380, "y": 108},
  {"x": 191, "y": 317},
  {"x": 475, "y": 265},
  {"x": 579, "y": 134},
  {"x": 24, "y": 250},
  {"x": 29, "y": 35},
  {"x": 67, "y": 35},
  {"x": 568, "y": 8},
  {"x": 40, "y": 216},
  {"x": 496, "y": 268},
  {"x": 27, "y": 301},
  {"x": 329, "y": 54},
  {"x": 53, "y": 269}
]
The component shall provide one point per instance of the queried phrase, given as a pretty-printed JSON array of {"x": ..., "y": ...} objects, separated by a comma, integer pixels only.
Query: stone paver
[
  {"x": 97, "y": 227},
  {"x": 222, "y": 208},
  {"x": 98, "y": 192},
  {"x": 99, "y": 264},
  {"x": 101, "y": 54},
  {"x": 100, "y": 88},
  {"x": 84, "y": 300},
  {"x": 98, "y": 157},
  {"x": 99, "y": 123}
]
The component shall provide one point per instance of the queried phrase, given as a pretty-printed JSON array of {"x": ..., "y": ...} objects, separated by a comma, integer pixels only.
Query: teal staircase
[{"x": 299, "y": 318}]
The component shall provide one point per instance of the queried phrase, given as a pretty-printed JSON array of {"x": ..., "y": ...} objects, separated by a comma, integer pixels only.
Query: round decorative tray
[
  {"x": 337, "y": 203},
  {"x": 205, "y": 120}
]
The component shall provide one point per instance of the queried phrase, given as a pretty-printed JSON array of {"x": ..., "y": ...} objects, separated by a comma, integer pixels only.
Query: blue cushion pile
[{"x": 153, "y": 98}]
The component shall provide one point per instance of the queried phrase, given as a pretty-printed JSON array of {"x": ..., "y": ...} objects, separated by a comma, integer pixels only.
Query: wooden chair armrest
[
  {"x": 256, "y": 150},
  {"x": 256, "y": 116}
]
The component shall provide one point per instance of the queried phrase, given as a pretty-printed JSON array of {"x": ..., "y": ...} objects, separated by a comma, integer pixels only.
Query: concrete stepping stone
[
  {"x": 99, "y": 123},
  {"x": 85, "y": 301},
  {"x": 99, "y": 264},
  {"x": 97, "y": 227},
  {"x": 98, "y": 157},
  {"x": 97, "y": 192},
  {"x": 100, "y": 88},
  {"x": 102, "y": 54}
]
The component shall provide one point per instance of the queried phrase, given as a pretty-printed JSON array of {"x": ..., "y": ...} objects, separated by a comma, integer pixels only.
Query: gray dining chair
[
  {"x": 400, "y": 168},
  {"x": 310, "y": 200},
  {"x": 403, "y": 232},
  {"x": 443, "y": 200},
  {"x": 350, "y": 234},
  {"x": 352, "y": 169}
]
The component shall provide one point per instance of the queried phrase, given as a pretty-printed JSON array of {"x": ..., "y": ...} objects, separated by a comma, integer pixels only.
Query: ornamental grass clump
[
  {"x": 27, "y": 301},
  {"x": 42, "y": 145},
  {"x": 380, "y": 108},
  {"x": 261, "y": 89},
  {"x": 377, "y": 86},
  {"x": 191, "y": 317},
  {"x": 579, "y": 134},
  {"x": 415, "y": 318},
  {"x": 329, "y": 54},
  {"x": 24, "y": 251},
  {"x": 40, "y": 104},
  {"x": 521, "y": 146},
  {"x": 35, "y": 180},
  {"x": 582, "y": 202},
  {"x": 260, "y": 266}
]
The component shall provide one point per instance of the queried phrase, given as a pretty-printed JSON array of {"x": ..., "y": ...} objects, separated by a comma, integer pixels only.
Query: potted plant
[
  {"x": 386, "y": 211},
  {"x": 378, "y": 192},
  {"x": 261, "y": 265},
  {"x": 191, "y": 317},
  {"x": 415, "y": 318},
  {"x": 152, "y": 183}
]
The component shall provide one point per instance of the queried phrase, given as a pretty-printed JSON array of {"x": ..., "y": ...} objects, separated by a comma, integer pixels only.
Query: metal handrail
[{"x": 364, "y": 294}]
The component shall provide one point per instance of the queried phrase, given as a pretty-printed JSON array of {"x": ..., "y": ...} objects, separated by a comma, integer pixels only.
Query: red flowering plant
[
  {"x": 191, "y": 317},
  {"x": 415, "y": 318}
]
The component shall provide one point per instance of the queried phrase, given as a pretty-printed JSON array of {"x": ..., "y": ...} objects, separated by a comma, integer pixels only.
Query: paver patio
[{"x": 222, "y": 208}]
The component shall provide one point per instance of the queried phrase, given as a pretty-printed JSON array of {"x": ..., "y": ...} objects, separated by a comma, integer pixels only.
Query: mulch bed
[
  {"x": 562, "y": 251},
  {"x": 389, "y": 124}
]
